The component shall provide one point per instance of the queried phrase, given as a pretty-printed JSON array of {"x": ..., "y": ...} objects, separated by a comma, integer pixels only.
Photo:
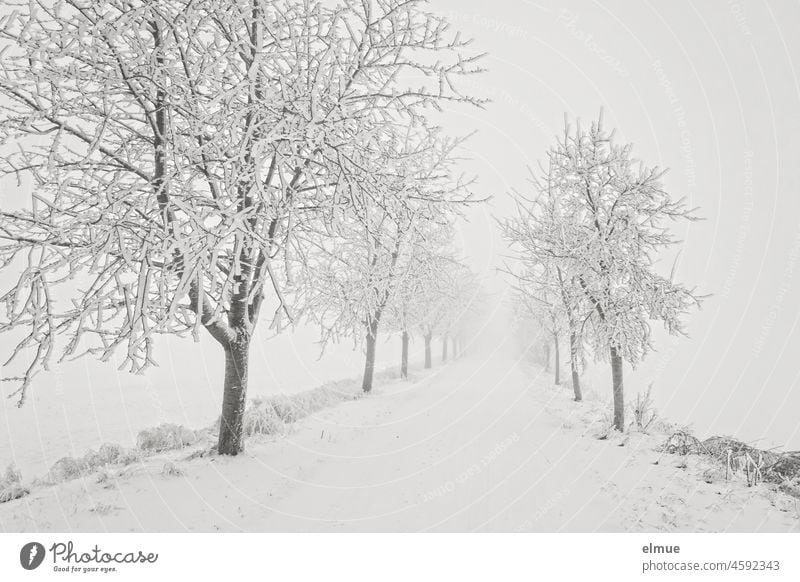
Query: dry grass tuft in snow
[
  {"x": 165, "y": 437},
  {"x": 69, "y": 468},
  {"x": 270, "y": 415},
  {"x": 643, "y": 411},
  {"x": 733, "y": 457},
  {"x": 161, "y": 438},
  {"x": 171, "y": 470}
]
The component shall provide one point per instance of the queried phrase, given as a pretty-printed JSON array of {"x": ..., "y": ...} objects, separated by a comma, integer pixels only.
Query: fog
[{"x": 709, "y": 90}]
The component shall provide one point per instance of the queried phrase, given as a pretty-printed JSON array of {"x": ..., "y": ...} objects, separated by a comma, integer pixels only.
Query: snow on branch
[
  {"x": 587, "y": 242},
  {"x": 186, "y": 157}
]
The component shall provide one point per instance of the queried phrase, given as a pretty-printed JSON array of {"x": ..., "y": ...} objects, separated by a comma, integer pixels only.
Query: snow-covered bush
[
  {"x": 69, "y": 468},
  {"x": 11, "y": 484},
  {"x": 66, "y": 469},
  {"x": 110, "y": 453},
  {"x": 12, "y": 475},
  {"x": 171, "y": 470}
]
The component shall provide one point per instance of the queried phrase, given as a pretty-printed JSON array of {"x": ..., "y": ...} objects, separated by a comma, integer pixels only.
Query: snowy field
[
  {"x": 84, "y": 404},
  {"x": 485, "y": 443}
]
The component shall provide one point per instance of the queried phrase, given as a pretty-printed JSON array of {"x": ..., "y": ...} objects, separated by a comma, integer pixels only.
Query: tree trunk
[
  {"x": 546, "y": 350},
  {"x": 231, "y": 429},
  {"x": 455, "y": 348},
  {"x": 444, "y": 349},
  {"x": 573, "y": 364},
  {"x": 619, "y": 399},
  {"x": 404, "y": 357},
  {"x": 427, "y": 351},
  {"x": 557, "y": 362},
  {"x": 369, "y": 363}
]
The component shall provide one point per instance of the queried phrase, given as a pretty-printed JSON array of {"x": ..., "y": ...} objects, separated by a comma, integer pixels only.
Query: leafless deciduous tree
[
  {"x": 407, "y": 307},
  {"x": 600, "y": 219},
  {"x": 380, "y": 248},
  {"x": 447, "y": 303},
  {"x": 546, "y": 290},
  {"x": 182, "y": 153},
  {"x": 440, "y": 298},
  {"x": 535, "y": 301}
]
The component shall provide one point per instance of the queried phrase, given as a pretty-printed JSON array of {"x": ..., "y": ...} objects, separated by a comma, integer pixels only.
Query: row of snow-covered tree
[
  {"x": 586, "y": 244},
  {"x": 393, "y": 274},
  {"x": 194, "y": 163}
]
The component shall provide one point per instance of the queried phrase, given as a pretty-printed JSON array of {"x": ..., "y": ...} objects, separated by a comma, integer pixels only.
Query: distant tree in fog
[
  {"x": 378, "y": 251},
  {"x": 538, "y": 305},
  {"x": 448, "y": 304},
  {"x": 422, "y": 269},
  {"x": 546, "y": 289}
]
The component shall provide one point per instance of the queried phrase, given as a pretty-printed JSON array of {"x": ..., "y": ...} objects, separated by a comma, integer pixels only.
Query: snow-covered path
[{"x": 481, "y": 444}]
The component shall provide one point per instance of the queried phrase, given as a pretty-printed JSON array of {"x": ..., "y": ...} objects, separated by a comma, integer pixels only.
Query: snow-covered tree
[
  {"x": 378, "y": 248},
  {"x": 468, "y": 312},
  {"x": 408, "y": 306},
  {"x": 536, "y": 301},
  {"x": 446, "y": 301},
  {"x": 181, "y": 153},
  {"x": 546, "y": 289},
  {"x": 607, "y": 221}
]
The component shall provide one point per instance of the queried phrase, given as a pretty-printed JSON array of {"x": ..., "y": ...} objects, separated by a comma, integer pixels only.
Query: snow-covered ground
[
  {"x": 85, "y": 403},
  {"x": 485, "y": 443}
]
